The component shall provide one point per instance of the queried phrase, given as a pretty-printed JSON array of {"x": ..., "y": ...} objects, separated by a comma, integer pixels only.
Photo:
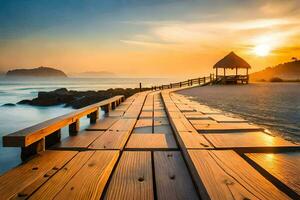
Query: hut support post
[
  {"x": 236, "y": 71},
  {"x": 216, "y": 73}
]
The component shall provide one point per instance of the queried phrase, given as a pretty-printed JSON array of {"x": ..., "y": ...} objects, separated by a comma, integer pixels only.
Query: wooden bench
[{"x": 43, "y": 135}]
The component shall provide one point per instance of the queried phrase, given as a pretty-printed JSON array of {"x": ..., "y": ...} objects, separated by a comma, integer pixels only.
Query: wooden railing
[
  {"x": 40, "y": 136},
  {"x": 189, "y": 82}
]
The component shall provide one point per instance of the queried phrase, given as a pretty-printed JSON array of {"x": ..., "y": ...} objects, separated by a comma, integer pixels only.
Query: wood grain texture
[
  {"x": 172, "y": 178},
  {"x": 202, "y": 122},
  {"x": 82, "y": 140},
  {"x": 52, "y": 187},
  {"x": 151, "y": 141},
  {"x": 226, "y": 127},
  {"x": 123, "y": 125},
  {"x": 246, "y": 139},
  {"x": 111, "y": 140},
  {"x": 103, "y": 124},
  {"x": 160, "y": 121},
  {"x": 132, "y": 178},
  {"x": 283, "y": 166},
  {"x": 89, "y": 182},
  {"x": 25, "y": 175},
  {"x": 116, "y": 113},
  {"x": 226, "y": 119},
  {"x": 183, "y": 124},
  {"x": 193, "y": 140},
  {"x": 225, "y": 175},
  {"x": 147, "y": 129}
]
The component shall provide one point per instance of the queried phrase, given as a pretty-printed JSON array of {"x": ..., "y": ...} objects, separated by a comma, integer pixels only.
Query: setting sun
[{"x": 262, "y": 50}]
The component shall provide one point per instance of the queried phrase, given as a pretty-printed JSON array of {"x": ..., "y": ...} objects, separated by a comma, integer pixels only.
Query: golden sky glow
[{"x": 155, "y": 39}]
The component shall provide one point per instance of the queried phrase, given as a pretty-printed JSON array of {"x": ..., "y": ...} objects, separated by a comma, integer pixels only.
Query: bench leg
[
  {"x": 74, "y": 128},
  {"x": 27, "y": 152}
]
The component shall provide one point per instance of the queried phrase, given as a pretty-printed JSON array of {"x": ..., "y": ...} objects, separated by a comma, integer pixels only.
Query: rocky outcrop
[
  {"x": 36, "y": 72},
  {"x": 76, "y": 99}
]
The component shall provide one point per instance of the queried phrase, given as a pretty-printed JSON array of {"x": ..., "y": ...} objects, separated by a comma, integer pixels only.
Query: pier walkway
[{"x": 153, "y": 145}]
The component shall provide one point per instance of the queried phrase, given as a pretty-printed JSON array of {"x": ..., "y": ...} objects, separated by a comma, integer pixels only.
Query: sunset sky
[{"x": 146, "y": 37}]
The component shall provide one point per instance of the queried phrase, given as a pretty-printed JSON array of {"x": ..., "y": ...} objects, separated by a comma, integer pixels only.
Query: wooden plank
[
  {"x": 111, "y": 140},
  {"x": 165, "y": 129},
  {"x": 183, "y": 124},
  {"x": 146, "y": 114},
  {"x": 196, "y": 115},
  {"x": 226, "y": 127},
  {"x": 132, "y": 178},
  {"x": 202, "y": 121},
  {"x": 25, "y": 175},
  {"x": 193, "y": 140},
  {"x": 123, "y": 125},
  {"x": 146, "y": 129},
  {"x": 103, "y": 124},
  {"x": 116, "y": 113},
  {"x": 52, "y": 187},
  {"x": 225, "y": 175},
  {"x": 283, "y": 166},
  {"x": 147, "y": 108},
  {"x": 81, "y": 141},
  {"x": 144, "y": 123},
  {"x": 172, "y": 177},
  {"x": 90, "y": 180},
  {"x": 247, "y": 140},
  {"x": 226, "y": 119},
  {"x": 160, "y": 121},
  {"x": 151, "y": 141},
  {"x": 159, "y": 113},
  {"x": 206, "y": 110}
]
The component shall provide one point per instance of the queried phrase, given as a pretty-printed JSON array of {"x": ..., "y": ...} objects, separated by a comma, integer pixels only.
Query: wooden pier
[{"x": 154, "y": 145}]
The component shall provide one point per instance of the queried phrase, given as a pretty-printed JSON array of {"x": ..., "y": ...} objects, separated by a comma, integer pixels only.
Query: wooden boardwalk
[{"x": 153, "y": 145}]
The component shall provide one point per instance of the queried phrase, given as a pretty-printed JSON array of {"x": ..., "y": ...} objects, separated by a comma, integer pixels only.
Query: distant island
[
  {"x": 289, "y": 71},
  {"x": 36, "y": 72}
]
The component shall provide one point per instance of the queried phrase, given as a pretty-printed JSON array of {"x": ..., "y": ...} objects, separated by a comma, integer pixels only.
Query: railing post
[
  {"x": 74, "y": 128},
  {"x": 113, "y": 105},
  {"x": 199, "y": 81},
  {"x": 95, "y": 115},
  {"x": 204, "y": 79},
  {"x": 179, "y": 84}
]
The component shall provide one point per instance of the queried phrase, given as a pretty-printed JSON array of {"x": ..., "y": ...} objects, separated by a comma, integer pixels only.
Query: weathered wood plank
[
  {"x": 160, "y": 121},
  {"x": 246, "y": 140},
  {"x": 146, "y": 129},
  {"x": 103, "y": 124},
  {"x": 159, "y": 113},
  {"x": 52, "y": 187},
  {"x": 226, "y": 127},
  {"x": 226, "y": 119},
  {"x": 172, "y": 177},
  {"x": 132, "y": 178},
  {"x": 90, "y": 180},
  {"x": 144, "y": 123},
  {"x": 151, "y": 141},
  {"x": 21, "y": 177},
  {"x": 123, "y": 125},
  {"x": 202, "y": 122},
  {"x": 193, "y": 140},
  {"x": 283, "y": 166},
  {"x": 111, "y": 140},
  {"x": 225, "y": 175},
  {"x": 82, "y": 140},
  {"x": 116, "y": 113}
]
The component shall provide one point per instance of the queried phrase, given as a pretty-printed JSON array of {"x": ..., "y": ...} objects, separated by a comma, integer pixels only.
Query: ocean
[
  {"x": 275, "y": 106},
  {"x": 21, "y": 116}
]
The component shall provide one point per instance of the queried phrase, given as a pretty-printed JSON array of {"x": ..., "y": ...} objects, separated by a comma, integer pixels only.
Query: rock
[
  {"x": 9, "y": 104},
  {"x": 76, "y": 99},
  {"x": 25, "y": 101}
]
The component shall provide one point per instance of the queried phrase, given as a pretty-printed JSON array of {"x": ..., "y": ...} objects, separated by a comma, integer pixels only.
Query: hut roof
[{"x": 232, "y": 61}]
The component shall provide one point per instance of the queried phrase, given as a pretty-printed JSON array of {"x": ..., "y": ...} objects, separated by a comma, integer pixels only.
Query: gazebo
[{"x": 232, "y": 61}]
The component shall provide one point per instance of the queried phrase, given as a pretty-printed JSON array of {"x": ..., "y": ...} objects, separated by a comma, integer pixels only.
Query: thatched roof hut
[{"x": 232, "y": 61}]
